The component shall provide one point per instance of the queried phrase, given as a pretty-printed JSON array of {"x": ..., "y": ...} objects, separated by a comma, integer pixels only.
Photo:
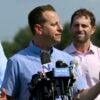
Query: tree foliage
[
  {"x": 96, "y": 36},
  {"x": 20, "y": 41}
]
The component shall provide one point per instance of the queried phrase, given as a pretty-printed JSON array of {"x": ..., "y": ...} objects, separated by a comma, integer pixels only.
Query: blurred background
[{"x": 15, "y": 33}]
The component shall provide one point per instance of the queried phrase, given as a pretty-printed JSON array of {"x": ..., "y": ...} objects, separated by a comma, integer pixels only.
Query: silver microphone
[{"x": 73, "y": 69}]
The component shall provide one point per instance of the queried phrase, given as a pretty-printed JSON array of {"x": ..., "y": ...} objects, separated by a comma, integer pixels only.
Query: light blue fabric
[
  {"x": 3, "y": 62},
  {"x": 26, "y": 63}
]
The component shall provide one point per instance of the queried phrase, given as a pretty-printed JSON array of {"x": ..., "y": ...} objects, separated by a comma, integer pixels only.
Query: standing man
[{"x": 82, "y": 27}]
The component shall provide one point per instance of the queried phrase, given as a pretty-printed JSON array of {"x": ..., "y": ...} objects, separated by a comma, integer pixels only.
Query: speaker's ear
[
  {"x": 38, "y": 28},
  {"x": 93, "y": 30}
]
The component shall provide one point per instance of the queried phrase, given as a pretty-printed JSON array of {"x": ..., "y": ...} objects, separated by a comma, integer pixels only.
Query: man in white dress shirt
[{"x": 82, "y": 27}]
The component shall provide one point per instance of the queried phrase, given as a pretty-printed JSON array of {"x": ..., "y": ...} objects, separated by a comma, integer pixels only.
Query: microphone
[
  {"x": 61, "y": 75},
  {"x": 45, "y": 57},
  {"x": 61, "y": 70},
  {"x": 33, "y": 84},
  {"x": 73, "y": 70},
  {"x": 61, "y": 64},
  {"x": 45, "y": 61},
  {"x": 40, "y": 85}
]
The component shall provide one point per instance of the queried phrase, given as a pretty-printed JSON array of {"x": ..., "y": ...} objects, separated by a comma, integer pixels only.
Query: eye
[
  {"x": 53, "y": 24},
  {"x": 84, "y": 26}
]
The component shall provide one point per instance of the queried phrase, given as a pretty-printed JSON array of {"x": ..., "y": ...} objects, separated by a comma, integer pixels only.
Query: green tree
[
  {"x": 21, "y": 40},
  {"x": 23, "y": 37},
  {"x": 96, "y": 36},
  {"x": 10, "y": 48}
]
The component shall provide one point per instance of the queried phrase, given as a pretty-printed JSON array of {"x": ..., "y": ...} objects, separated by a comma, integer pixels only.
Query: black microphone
[
  {"x": 40, "y": 85},
  {"x": 61, "y": 64},
  {"x": 45, "y": 57},
  {"x": 65, "y": 75},
  {"x": 47, "y": 83},
  {"x": 61, "y": 70},
  {"x": 33, "y": 85},
  {"x": 61, "y": 75},
  {"x": 45, "y": 61}
]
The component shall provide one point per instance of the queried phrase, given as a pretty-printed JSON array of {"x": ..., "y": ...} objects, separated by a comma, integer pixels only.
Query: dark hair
[
  {"x": 35, "y": 16},
  {"x": 86, "y": 13}
]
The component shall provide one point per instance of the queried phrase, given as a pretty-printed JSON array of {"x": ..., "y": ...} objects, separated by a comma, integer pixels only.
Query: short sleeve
[{"x": 11, "y": 79}]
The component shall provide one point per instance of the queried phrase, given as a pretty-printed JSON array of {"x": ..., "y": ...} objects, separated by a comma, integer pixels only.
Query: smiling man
[{"x": 82, "y": 27}]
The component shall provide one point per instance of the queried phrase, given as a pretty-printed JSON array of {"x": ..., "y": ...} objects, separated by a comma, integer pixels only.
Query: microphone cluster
[{"x": 46, "y": 85}]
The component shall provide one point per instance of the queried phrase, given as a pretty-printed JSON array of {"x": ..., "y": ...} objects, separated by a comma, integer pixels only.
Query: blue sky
[{"x": 13, "y": 13}]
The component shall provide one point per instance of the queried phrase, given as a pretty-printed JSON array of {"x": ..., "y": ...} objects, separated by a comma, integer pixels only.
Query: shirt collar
[
  {"x": 74, "y": 50},
  {"x": 35, "y": 49}
]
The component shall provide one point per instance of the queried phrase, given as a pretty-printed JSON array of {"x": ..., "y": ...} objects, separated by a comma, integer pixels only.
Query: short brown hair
[
  {"x": 35, "y": 16},
  {"x": 86, "y": 13}
]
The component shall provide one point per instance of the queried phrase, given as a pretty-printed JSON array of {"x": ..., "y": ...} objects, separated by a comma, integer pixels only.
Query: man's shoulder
[
  {"x": 20, "y": 54},
  {"x": 96, "y": 48},
  {"x": 69, "y": 48}
]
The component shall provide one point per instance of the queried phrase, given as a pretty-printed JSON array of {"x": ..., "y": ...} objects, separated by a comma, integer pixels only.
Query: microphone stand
[
  {"x": 68, "y": 91},
  {"x": 62, "y": 89}
]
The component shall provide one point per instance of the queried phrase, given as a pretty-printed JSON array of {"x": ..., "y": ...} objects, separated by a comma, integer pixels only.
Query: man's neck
[
  {"x": 41, "y": 45},
  {"x": 82, "y": 47}
]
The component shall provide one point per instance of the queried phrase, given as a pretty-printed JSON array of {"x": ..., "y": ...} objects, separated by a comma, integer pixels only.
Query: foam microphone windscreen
[{"x": 45, "y": 57}]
